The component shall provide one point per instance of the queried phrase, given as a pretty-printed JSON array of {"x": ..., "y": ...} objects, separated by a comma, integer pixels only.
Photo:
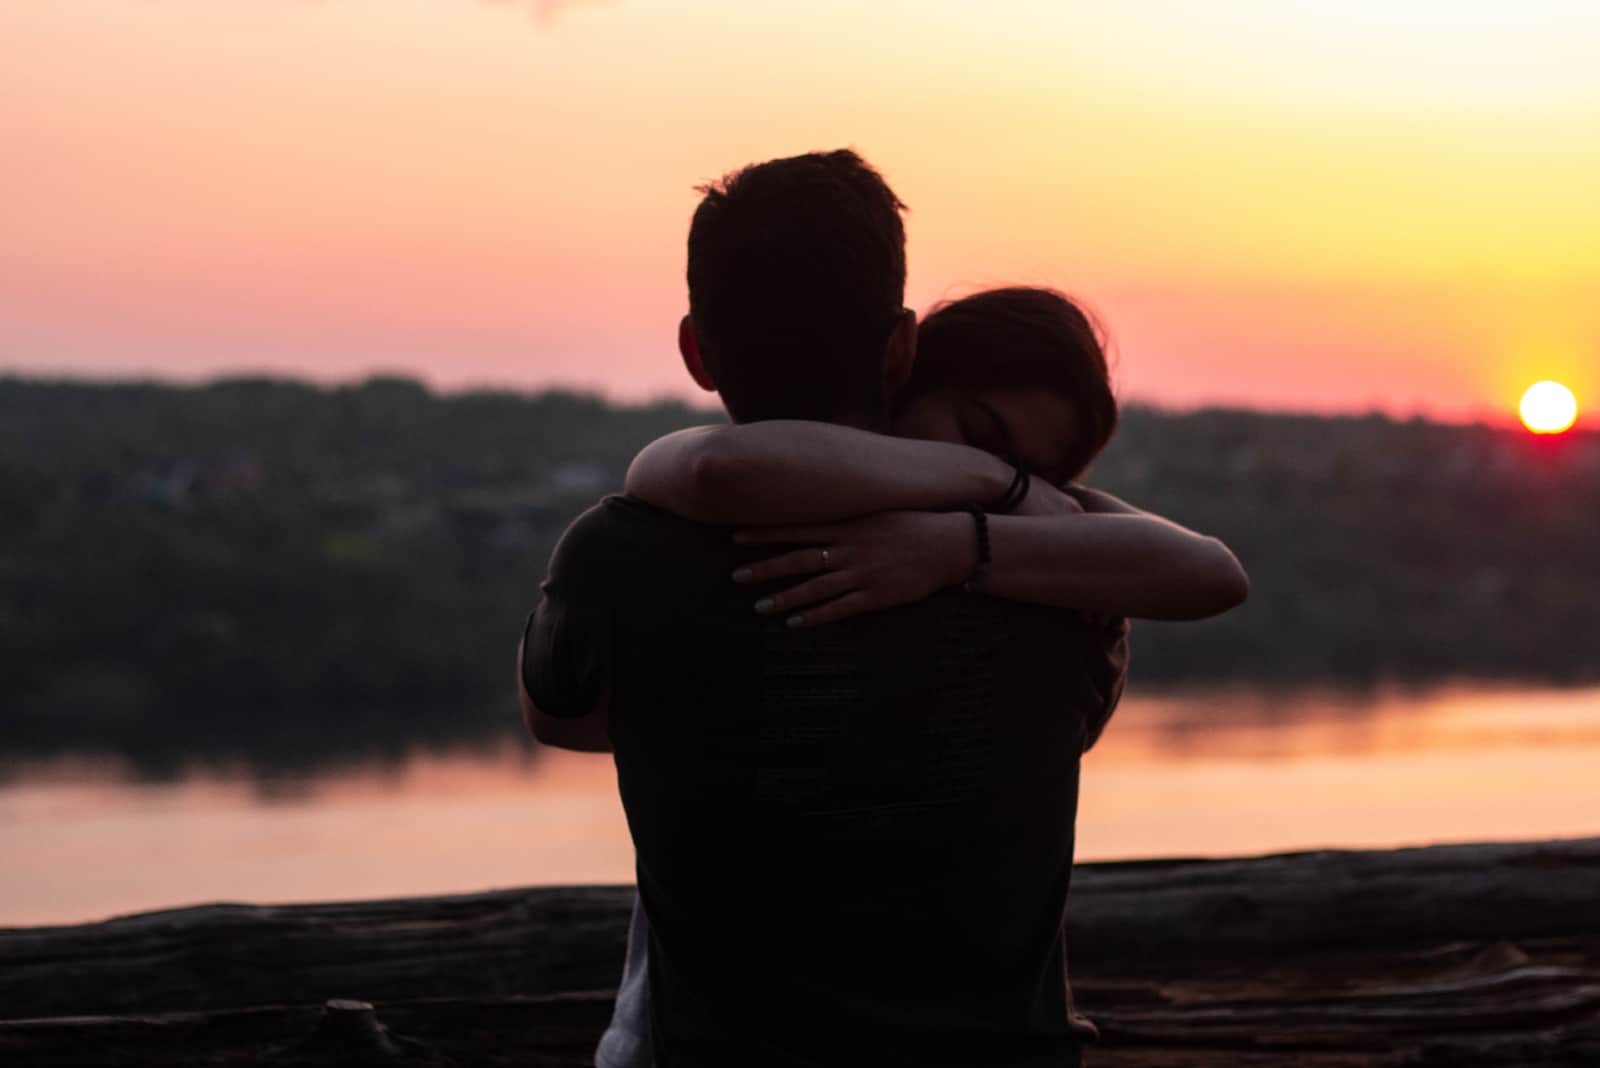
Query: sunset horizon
[
  {"x": 1502, "y": 417},
  {"x": 1330, "y": 208},
  {"x": 634, "y": 533}
]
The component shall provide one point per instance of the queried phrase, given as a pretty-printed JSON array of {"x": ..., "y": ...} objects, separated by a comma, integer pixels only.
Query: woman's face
[{"x": 1031, "y": 423}]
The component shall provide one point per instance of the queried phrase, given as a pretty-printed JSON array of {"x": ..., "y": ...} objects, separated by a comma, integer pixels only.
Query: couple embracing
[{"x": 849, "y": 650}]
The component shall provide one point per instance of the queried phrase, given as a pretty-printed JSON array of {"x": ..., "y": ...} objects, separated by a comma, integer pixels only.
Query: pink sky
[{"x": 1340, "y": 205}]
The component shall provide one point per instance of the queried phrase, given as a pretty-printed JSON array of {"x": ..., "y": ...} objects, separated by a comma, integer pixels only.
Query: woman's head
[{"x": 1019, "y": 371}]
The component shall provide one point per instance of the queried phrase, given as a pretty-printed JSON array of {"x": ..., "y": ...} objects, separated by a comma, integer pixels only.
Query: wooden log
[
  {"x": 498, "y": 944},
  {"x": 1476, "y": 954},
  {"x": 1322, "y": 900}
]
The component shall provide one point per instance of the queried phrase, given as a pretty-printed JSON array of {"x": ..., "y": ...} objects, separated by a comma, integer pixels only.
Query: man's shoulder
[
  {"x": 619, "y": 517},
  {"x": 619, "y": 532}
]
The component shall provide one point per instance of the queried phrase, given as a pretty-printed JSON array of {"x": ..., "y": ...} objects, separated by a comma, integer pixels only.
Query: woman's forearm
[
  {"x": 1099, "y": 502},
  {"x": 1118, "y": 564},
  {"x": 790, "y": 471}
]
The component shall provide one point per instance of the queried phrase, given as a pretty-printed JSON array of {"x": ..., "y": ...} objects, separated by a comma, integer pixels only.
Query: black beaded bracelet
[{"x": 980, "y": 522}]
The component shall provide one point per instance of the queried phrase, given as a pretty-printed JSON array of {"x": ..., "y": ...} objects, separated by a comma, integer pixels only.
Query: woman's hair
[{"x": 1021, "y": 336}]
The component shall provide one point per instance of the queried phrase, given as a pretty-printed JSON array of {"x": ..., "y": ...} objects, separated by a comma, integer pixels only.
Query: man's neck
[{"x": 876, "y": 422}]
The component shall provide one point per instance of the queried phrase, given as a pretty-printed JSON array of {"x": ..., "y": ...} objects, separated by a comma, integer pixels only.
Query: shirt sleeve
[{"x": 567, "y": 639}]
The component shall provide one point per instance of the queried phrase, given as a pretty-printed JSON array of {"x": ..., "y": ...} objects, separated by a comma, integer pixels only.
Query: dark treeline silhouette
[{"x": 280, "y": 573}]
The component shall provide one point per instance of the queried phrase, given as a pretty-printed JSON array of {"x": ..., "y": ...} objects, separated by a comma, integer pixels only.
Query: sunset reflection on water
[{"x": 1190, "y": 774}]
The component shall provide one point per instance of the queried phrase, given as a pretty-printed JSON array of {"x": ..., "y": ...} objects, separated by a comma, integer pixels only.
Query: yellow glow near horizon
[
  {"x": 1549, "y": 408},
  {"x": 1339, "y": 204}
]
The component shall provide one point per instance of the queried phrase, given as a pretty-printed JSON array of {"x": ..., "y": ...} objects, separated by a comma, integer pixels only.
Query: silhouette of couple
[{"x": 849, "y": 649}]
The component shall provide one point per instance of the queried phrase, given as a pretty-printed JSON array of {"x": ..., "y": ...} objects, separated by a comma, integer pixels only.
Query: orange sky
[{"x": 1333, "y": 205}]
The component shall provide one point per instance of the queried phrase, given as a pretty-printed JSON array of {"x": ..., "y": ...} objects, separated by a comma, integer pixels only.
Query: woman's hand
[
  {"x": 1045, "y": 499},
  {"x": 861, "y": 565}
]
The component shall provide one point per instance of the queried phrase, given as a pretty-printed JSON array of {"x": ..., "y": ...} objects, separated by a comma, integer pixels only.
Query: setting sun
[{"x": 1549, "y": 408}]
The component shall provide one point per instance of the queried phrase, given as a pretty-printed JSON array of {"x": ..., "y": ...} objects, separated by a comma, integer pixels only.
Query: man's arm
[
  {"x": 584, "y": 734},
  {"x": 564, "y": 659}
]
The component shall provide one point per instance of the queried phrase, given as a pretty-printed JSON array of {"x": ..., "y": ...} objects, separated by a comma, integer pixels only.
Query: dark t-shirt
[{"x": 854, "y": 842}]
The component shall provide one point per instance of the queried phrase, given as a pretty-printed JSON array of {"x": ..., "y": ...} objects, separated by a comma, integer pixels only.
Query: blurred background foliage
[{"x": 274, "y": 572}]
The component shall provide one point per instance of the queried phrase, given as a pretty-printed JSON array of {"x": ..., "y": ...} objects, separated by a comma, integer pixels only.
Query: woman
[
  {"x": 1017, "y": 374},
  {"x": 1010, "y": 391}
]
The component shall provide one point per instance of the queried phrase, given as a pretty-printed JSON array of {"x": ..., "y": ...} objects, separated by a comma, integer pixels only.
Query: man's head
[{"x": 797, "y": 271}]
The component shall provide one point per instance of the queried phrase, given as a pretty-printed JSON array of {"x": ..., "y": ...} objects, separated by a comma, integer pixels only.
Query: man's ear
[
  {"x": 901, "y": 352},
  {"x": 689, "y": 349}
]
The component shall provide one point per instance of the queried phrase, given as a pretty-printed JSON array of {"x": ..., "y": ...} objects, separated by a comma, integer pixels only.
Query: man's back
[{"x": 854, "y": 843}]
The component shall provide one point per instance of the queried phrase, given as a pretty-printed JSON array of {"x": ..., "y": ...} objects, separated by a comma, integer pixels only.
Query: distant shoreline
[
  {"x": 208, "y": 571},
  {"x": 694, "y": 400}
]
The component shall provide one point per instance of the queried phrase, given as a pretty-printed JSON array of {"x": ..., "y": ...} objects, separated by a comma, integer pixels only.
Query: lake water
[{"x": 1223, "y": 773}]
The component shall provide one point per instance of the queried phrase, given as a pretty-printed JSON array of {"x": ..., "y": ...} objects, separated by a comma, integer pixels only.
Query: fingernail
[
  {"x": 795, "y": 621},
  {"x": 741, "y": 574},
  {"x": 765, "y": 605}
]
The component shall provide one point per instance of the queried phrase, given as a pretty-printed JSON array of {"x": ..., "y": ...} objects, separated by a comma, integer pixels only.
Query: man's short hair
[{"x": 797, "y": 273}]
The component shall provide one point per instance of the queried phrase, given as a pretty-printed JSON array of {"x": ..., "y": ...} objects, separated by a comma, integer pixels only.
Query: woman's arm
[
  {"x": 1135, "y": 565},
  {"x": 1099, "y": 502},
  {"x": 1123, "y": 564},
  {"x": 791, "y": 471}
]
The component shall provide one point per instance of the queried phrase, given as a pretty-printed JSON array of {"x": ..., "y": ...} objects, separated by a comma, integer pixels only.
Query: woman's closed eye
[{"x": 984, "y": 428}]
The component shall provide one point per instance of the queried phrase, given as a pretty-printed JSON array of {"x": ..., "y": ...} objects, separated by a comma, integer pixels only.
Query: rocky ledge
[{"x": 1451, "y": 955}]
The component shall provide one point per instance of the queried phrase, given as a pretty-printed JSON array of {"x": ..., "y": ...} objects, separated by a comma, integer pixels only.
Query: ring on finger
[{"x": 826, "y": 560}]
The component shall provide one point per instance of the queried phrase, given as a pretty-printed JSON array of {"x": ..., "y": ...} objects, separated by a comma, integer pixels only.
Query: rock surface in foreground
[{"x": 1458, "y": 955}]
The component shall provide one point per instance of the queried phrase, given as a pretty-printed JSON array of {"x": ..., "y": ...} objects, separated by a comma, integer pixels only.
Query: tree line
[{"x": 267, "y": 570}]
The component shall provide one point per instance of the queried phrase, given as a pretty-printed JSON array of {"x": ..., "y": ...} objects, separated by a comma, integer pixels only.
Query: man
[{"x": 854, "y": 843}]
